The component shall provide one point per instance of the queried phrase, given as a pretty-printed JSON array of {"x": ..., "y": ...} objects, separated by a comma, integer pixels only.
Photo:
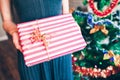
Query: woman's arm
[
  {"x": 65, "y": 4},
  {"x": 5, "y": 10},
  {"x": 6, "y": 16},
  {"x": 8, "y": 25}
]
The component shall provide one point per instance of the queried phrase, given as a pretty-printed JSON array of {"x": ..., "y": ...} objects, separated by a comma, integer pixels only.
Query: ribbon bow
[
  {"x": 37, "y": 36},
  {"x": 109, "y": 55},
  {"x": 97, "y": 28},
  {"x": 116, "y": 57}
]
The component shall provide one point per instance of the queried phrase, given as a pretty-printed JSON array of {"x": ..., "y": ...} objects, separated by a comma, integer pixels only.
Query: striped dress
[{"x": 57, "y": 69}]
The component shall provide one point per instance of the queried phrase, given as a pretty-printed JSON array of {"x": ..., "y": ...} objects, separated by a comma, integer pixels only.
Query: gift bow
[
  {"x": 37, "y": 36},
  {"x": 110, "y": 54},
  {"x": 99, "y": 27}
]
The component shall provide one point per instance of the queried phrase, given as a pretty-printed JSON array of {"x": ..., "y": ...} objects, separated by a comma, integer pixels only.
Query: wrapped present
[{"x": 49, "y": 38}]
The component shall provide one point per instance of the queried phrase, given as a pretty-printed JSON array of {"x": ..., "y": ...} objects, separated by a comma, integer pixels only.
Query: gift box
[{"x": 45, "y": 39}]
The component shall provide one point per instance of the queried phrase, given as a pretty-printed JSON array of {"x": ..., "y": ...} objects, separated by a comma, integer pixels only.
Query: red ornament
[
  {"x": 105, "y": 12},
  {"x": 74, "y": 59}
]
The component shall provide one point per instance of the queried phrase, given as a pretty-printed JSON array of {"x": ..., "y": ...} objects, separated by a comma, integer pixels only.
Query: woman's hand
[
  {"x": 8, "y": 25},
  {"x": 16, "y": 41},
  {"x": 11, "y": 28}
]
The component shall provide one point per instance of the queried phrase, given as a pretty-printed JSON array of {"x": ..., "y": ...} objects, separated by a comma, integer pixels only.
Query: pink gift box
[{"x": 49, "y": 38}]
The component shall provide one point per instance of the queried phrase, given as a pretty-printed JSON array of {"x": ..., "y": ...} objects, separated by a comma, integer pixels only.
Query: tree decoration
[
  {"x": 108, "y": 55},
  {"x": 90, "y": 19},
  {"x": 100, "y": 3},
  {"x": 97, "y": 28},
  {"x": 104, "y": 13},
  {"x": 101, "y": 57},
  {"x": 96, "y": 72}
]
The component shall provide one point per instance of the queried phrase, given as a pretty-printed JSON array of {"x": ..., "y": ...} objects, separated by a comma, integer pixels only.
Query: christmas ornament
[
  {"x": 117, "y": 60},
  {"x": 116, "y": 57},
  {"x": 105, "y": 12},
  {"x": 96, "y": 72},
  {"x": 97, "y": 28},
  {"x": 108, "y": 55}
]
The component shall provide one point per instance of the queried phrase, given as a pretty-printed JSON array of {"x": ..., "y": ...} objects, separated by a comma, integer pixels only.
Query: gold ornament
[
  {"x": 117, "y": 60},
  {"x": 108, "y": 55},
  {"x": 116, "y": 57},
  {"x": 97, "y": 28}
]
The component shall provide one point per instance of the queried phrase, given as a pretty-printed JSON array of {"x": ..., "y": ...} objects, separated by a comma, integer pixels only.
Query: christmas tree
[{"x": 100, "y": 59}]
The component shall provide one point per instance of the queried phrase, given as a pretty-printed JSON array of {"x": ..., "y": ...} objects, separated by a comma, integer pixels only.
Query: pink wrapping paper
[{"x": 49, "y": 38}]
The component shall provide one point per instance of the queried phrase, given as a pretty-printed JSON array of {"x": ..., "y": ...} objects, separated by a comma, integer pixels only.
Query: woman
[{"x": 27, "y": 10}]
